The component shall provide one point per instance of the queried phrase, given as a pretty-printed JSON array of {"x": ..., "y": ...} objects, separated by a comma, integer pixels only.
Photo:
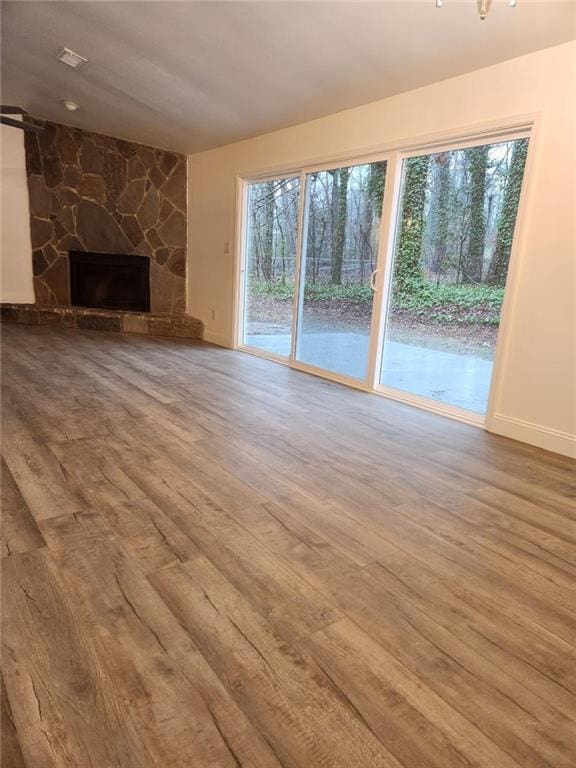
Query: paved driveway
[{"x": 461, "y": 380}]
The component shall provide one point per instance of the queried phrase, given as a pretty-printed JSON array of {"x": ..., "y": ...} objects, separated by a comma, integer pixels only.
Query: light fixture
[
  {"x": 483, "y": 6},
  {"x": 72, "y": 59},
  {"x": 70, "y": 105}
]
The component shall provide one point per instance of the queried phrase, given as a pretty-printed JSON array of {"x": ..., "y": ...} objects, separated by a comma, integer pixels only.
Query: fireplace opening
[{"x": 110, "y": 281}]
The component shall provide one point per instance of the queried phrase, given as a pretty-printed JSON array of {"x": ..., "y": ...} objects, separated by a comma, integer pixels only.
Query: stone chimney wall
[{"x": 90, "y": 192}]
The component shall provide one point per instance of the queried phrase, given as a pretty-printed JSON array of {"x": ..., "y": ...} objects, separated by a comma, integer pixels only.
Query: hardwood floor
[{"x": 210, "y": 560}]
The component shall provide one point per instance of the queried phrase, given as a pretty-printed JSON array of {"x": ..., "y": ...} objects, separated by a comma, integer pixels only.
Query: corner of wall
[
  {"x": 219, "y": 339},
  {"x": 535, "y": 434}
]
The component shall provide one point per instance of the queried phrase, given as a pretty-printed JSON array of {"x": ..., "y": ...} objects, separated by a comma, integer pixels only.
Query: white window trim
[{"x": 394, "y": 153}]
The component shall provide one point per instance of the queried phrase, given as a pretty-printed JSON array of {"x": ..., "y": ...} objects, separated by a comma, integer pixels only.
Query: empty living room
[{"x": 288, "y": 366}]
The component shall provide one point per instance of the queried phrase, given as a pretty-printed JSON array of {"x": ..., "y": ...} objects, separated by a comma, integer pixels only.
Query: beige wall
[
  {"x": 15, "y": 247},
  {"x": 536, "y": 401}
]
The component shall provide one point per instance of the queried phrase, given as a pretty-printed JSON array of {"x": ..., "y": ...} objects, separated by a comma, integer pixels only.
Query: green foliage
[
  {"x": 441, "y": 211},
  {"x": 281, "y": 290},
  {"x": 407, "y": 267},
  {"x": 464, "y": 304},
  {"x": 477, "y": 158},
  {"x": 340, "y": 179},
  {"x": 507, "y": 219},
  {"x": 356, "y": 292},
  {"x": 464, "y": 296},
  {"x": 376, "y": 182},
  {"x": 467, "y": 304}
]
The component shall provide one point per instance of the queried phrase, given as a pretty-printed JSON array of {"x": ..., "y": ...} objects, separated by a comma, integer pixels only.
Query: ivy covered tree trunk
[
  {"x": 282, "y": 249},
  {"x": 372, "y": 212},
  {"x": 376, "y": 183},
  {"x": 507, "y": 219},
  {"x": 365, "y": 249},
  {"x": 340, "y": 202},
  {"x": 268, "y": 233},
  {"x": 441, "y": 215},
  {"x": 478, "y": 164},
  {"x": 408, "y": 273}
]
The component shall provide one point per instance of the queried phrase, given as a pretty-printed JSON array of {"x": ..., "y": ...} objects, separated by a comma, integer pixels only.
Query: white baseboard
[
  {"x": 218, "y": 339},
  {"x": 544, "y": 437}
]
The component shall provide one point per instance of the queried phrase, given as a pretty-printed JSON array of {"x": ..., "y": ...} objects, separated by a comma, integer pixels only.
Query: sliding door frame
[
  {"x": 303, "y": 172},
  {"x": 525, "y": 126},
  {"x": 444, "y": 409},
  {"x": 302, "y": 233},
  {"x": 241, "y": 272}
]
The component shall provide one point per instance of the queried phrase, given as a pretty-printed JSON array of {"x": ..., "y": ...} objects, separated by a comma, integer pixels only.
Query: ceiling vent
[{"x": 74, "y": 60}]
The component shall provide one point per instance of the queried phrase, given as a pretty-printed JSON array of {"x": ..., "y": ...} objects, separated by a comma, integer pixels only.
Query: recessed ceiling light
[
  {"x": 71, "y": 106},
  {"x": 72, "y": 59}
]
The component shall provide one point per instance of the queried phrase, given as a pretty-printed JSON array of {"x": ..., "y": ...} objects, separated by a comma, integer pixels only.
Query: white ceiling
[{"x": 193, "y": 75}]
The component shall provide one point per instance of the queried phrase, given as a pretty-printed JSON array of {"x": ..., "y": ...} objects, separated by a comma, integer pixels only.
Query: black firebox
[{"x": 110, "y": 281}]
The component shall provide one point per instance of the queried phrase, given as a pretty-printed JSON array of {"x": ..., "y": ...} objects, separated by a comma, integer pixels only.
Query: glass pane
[
  {"x": 455, "y": 230},
  {"x": 270, "y": 257},
  {"x": 343, "y": 211}
]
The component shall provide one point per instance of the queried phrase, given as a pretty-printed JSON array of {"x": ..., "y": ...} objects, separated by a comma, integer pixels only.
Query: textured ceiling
[{"x": 193, "y": 75}]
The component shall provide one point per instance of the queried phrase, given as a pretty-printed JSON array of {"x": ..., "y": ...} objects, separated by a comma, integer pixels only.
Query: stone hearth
[
  {"x": 181, "y": 326},
  {"x": 90, "y": 192}
]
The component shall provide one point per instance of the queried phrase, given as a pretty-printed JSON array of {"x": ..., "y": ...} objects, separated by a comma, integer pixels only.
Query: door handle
[{"x": 373, "y": 279}]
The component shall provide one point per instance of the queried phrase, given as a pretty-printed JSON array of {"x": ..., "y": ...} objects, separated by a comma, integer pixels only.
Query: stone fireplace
[
  {"x": 95, "y": 198},
  {"x": 109, "y": 281}
]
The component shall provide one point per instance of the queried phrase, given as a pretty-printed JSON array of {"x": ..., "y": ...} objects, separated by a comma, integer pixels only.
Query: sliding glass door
[
  {"x": 315, "y": 308},
  {"x": 342, "y": 223},
  {"x": 271, "y": 235},
  {"x": 454, "y": 236},
  {"x": 425, "y": 331}
]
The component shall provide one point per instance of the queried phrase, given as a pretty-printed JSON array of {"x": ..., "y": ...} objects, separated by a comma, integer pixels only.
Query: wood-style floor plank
[
  {"x": 64, "y": 706},
  {"x": 277, "y": 687},
  {"x": 10, "y": 752},
  {"x": 181, "y": 711},
  {"x": 19, "y": 531},
  {"x": 211, "y": 560},
  {"x": 395, "y": 703},
  {"x": 518, "y": 721}
]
